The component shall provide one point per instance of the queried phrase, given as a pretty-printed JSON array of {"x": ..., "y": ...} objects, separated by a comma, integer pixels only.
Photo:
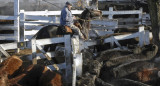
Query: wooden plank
[
  {"x": 16, "y": 20},
  {"x": 22, "y": 25},
  {"x": 8, "y": 27},
  {"x": 121, "y": 12},
  {"x": 74, "y": 73},
  {"x": 6, "y": 34},
  {"x": 106, "y": 22},
  {"x": 39, "y": 23},
  {"x": 9, "y": 46},
  {"x": 7, "y": 17},
  {"x": 128, "y": 19},
  {"x": 110, "y": 16},
  {"x": 4, "y": 52},
  {"x": 30, "y": 32},
  {"x": 123, "y": 37},
  {"x": 112, "y": 42},
  {"x": 32, "y": 27},
  {"x": 141, "y": 35},
  {"x": 8, "y": 37},
  {"x": 128, "y": 26},
  {"x": 140, "y": 16},
  {"x": 90, "y": 43},
  {"x": 96, "y": 27},
  {"x": 32, "y": 17},
  {"x": 103, "y": 32},
  {"x": 147, "y": 39},
  {"x": 50, "y": 41},
  {"x": 78, "y": 63},
  {"x": 68, "y": 61},
  {"x": 34, "y": 50},
  {"x": 75, "y": 44},
  {"x": 50, "y": 12}
]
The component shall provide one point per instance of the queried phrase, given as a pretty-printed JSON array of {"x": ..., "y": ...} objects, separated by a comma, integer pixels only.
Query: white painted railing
[
  {"x": 15, "y": 36},
  {"x": 67, "y": 65},
  {"x": 40, "y": 18}
]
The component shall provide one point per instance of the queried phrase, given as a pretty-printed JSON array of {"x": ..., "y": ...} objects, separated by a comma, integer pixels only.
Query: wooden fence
[
  {"x": 32, "y": 21},
  {"x": 68, "y": 53},
  {"x": 14, "y": 27}
]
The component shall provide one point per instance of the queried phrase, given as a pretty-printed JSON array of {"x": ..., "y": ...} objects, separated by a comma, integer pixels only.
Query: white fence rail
[
  {"x": 14, "y": 27},
  {"x": 67, "y": 65},
  {"x": 32, "y": 21}
]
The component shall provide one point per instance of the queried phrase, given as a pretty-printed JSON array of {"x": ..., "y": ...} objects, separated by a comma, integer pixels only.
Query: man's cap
[{"x": 68, "y": 3}]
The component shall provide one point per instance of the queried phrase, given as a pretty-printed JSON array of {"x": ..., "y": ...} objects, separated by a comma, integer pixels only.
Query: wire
[{"x": 51, "y": 3}]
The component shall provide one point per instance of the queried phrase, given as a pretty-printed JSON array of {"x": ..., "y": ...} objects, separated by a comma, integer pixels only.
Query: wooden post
[
  {"x": 16, "y": 21},
  {"x": 154, "y": 7},
  {"x": 75, "y": 44},
  {"x": 54, "y": 19},
  {"x": 140, "y": 16},
  {"x": 110, "y": 16},
  {"x": 74, "y": 72},
  {"x": 22, "y": 26},
  {"x": 68, "y": 75},
  {"x": 34, "y": 49},
  {"x": 147, "y": 39},
  {"x": 141, "y": 35},
  {"x": 46, "y": 12},
  {"x": 112, "y": 42}
]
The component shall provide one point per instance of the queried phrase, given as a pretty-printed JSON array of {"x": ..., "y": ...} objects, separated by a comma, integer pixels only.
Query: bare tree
[{"x": 154, "y": 10}]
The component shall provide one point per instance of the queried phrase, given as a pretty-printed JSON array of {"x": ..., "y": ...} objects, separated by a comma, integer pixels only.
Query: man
[{"x": 67, "y": 19}]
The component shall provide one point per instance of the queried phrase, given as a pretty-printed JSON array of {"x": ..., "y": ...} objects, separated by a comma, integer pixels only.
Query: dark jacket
[{"x": 66, "y": 17}]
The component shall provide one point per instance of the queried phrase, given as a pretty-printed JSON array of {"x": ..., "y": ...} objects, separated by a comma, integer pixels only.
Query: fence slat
[
  {"x": 7, "y": 17},
  {"x": 30, "y": 17},
  {"x": 123, "y": 37},
  {"x": 147, "y": 38},
  {"x": 7, "y": 37},
  {"x": 34, "y": 50},
  {"x": 106, "y": 22},
  {"x": 4, "y": 52},
  {"x": 68, "y": 59},
  {"x": 9, "y": 46},
  {"x": 50, "y": 41},
  {"x": 121, "y": 12},
  {"x": 4, "y": 27},
  {"x": 141, "y": 35},
  {"x": 50, "y": 12},
  {"x": 16, "y": 20}
]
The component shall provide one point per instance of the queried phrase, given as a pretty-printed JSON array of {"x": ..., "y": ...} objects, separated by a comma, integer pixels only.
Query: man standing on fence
[{"x": 67, "y": 19}]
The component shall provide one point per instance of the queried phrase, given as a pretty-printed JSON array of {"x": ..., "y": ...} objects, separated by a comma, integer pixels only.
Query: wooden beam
[
  {"x": 68, "y": 76},
  {"x": 34, "y": 50},
  {"x": 4, "y": 52},
  {"x": 50, "y": 41},
  {"x": 7, "y": 17}
]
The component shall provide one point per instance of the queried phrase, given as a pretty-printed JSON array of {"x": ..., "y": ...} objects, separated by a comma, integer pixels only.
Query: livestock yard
[{"x": 119, "y": 48}]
